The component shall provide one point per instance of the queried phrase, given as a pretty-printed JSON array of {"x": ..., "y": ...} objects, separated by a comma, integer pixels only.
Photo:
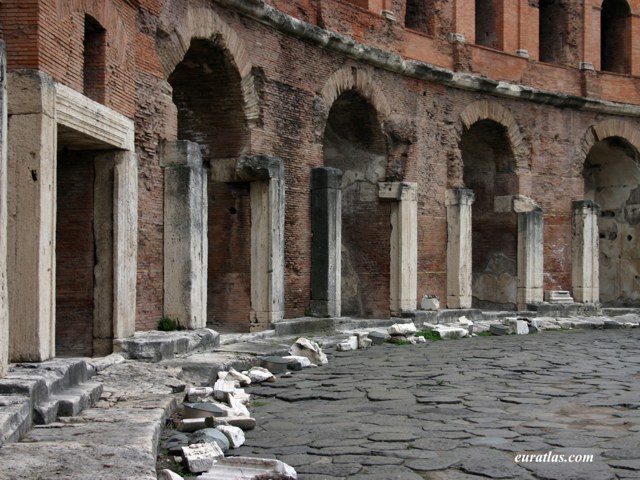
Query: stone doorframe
[
  {"x": 530, "y": 256},
  {"x": 585, "y": 252},
  {"x": 326, "y": 264},
  {"x": 265, "y": 176},
  {"x": 39, "y": 111}
]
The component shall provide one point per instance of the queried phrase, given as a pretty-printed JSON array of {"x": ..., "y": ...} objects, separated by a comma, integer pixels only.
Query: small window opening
[{"x": 94, "y": 59}]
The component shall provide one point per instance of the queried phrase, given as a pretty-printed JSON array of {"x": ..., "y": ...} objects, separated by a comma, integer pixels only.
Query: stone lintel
[
  {"x": 92, "y": 119},
  {"x": 180, "y": 153},
  {"x": 459, "y": 196},
  {"x": 397, "y": 190}
]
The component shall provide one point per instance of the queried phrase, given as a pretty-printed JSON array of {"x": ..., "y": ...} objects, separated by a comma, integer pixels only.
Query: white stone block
[
  {"x": 222, "y": 389},
  {"x": 202, "y": 456},
  {"x": 248, "y": 468},
  {"x": 402, "y": 329},
  {"x": 306, "y": 348},
  {"x": 344, "y": 346},
  {"x": 234, "y": 434},
  {"x": 198, "y": 394},
  {"x": 464, "y": 321},
  {"x": 449, "y": 332},
  {"x": 167, "y": 474},
  {"x": 259, "y": 374},
  {"x": 240, "y": 378},
  {"x": 430, "y": 302},
  {"x": 304, "y": 361}
]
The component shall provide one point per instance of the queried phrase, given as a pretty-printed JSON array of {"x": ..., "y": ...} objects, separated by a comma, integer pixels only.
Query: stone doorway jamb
[
  {"x": 404, "y": 244},
  {"x": 585, "y": 252},
  {"x": 326, "y": 242},
  {"x": 459, "y": 241}
]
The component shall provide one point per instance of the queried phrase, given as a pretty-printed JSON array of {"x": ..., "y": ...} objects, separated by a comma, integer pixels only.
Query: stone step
[
  {"x": 155, "y": 346},
  {"x": 297, "y": 326},
  {"x": 15, "y": 417},
  {"x": 69, "y": 403},
  {"x": 41, "y": 392}
]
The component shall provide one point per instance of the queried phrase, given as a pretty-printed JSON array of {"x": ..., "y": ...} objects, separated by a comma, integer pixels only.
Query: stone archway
[
  {"x": 494, "y": 257},
  {"x": 612, "y": 182},
  {"x": 223, "y": 267}
]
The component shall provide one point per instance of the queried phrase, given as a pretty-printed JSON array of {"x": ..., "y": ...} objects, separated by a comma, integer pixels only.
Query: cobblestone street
[{"x": 459, "y": 410}]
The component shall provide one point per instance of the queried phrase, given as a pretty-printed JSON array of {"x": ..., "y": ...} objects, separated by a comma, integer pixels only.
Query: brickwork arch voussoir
[
  {"x": 204, "y": 23},
  {"x": 485, "y": 110},
  {"x": 608, "y": 128}
]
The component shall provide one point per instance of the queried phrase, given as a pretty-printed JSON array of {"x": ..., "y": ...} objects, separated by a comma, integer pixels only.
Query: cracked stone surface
[{"x": 459, "y": 410}]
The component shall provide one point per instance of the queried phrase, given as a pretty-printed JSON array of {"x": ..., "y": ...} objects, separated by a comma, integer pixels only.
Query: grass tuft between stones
[{"x": 429, "y": 334}]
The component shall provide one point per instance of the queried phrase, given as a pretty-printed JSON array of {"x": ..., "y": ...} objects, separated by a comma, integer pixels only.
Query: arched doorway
[
  {"x": 489, "y": 171},
  {"x": 553, "y": 31},
  {"x": 208, "y": 96},
  {"x": 355, "y": 144},
  {"x": 612, "y": 180}
]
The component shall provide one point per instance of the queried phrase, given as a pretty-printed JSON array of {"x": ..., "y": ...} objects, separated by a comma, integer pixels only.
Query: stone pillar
[
  {"x": 326, "y": 242},
  {"x": 125, "y": 243},
  {"x": 32, "y": 215},
  {"x": 585, "y": 252},
  {"x": 4, "y": 307},
  {"x": 404, "y": 244},
  {"x": 185, "y": 234},
  {"x": 530, "y": 257},
  {"x": 459, "y": 266},
  {"x": 267, "y": 252}
]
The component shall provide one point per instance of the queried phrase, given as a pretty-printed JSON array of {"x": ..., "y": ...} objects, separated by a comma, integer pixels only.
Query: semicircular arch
[
  {"x": 600, "y": 131},
  {"x": 204, "y": 23}
]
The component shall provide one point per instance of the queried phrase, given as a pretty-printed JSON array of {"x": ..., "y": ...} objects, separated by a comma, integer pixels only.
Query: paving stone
[
  {"x": 394, "y": 436},
  {"x": 386, "y": 473}
]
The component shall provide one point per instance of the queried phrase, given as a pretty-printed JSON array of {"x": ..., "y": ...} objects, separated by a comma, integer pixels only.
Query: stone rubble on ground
[
  {"x": 201, "y": 457},
  {"x": 405, "y": 329},
  {"x": 304, "y": 347},
  {"x": 202, "y": 442}
]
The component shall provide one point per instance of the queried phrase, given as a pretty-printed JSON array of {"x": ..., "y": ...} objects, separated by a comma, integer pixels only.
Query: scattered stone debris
[
  {"x": 378, "y": 338},
  {"x": 448, "y": 330},
  {"x": 304, "y": 347},
  {"x": 214, "y": 419},
  {"x": 167, "y": 474},
  {"x": 201, "y": 457},
  {"x": 402, "y": 329},
  {"x": 247, "y": 468}
]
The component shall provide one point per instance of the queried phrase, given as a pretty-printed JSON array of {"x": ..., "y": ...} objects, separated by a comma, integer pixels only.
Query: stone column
[
  {"x": 459, "y": 266},
  {"x": 326, "y": 242},
  {"x": 530, "y": 257},
  {"x": 585, "y": 252},
  {"x": 404, "y": 244},
  {"x": 4, "y": 307},
  {"x": 267, "y": 252},
  {"x": 32, "y": 215},
  {"x": 185, "y": 234}
]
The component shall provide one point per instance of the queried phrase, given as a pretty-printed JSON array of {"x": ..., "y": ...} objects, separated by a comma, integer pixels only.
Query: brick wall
[
  {"x": 74, "y": 255},
  {"x": 289, "y": 75}
]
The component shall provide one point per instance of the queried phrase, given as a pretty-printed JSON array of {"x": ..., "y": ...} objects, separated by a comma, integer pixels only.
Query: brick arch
[
  {"x": 105, "y": 13},
  {"x": 485, "y": 110},
  {"x": 204, "y": 23},
  {"x": 343, "y": 80},
  {"x": 634, "y": 5},
  {"x": 601, "y": 131}
]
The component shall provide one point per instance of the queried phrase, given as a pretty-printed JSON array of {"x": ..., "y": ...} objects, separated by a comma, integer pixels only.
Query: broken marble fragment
[{"x": 306, "y": 348}]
